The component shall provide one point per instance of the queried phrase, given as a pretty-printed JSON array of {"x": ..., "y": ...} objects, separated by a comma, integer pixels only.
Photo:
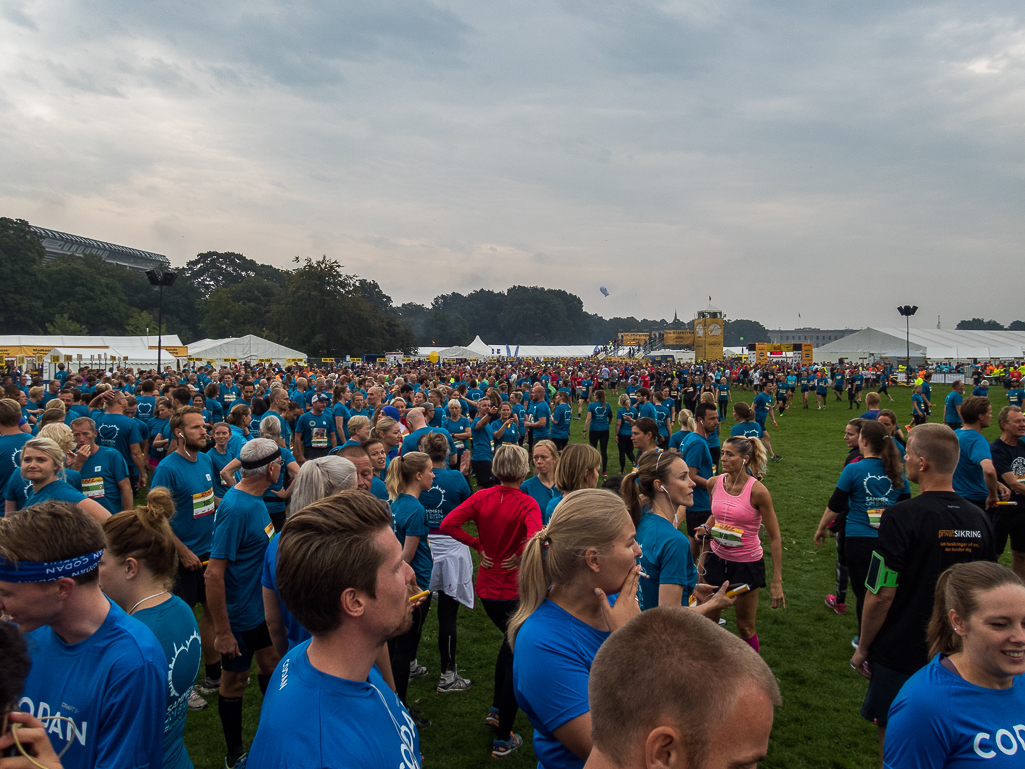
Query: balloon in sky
[{"x": 604, "y": 291}]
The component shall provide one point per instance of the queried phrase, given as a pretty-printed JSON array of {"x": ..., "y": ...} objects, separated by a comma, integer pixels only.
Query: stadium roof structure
[
  {"x": 926, "y": 344},
  {"x": 59, "y": 244}
]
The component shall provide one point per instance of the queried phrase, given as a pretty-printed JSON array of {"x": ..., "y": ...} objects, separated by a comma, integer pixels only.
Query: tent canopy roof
[
  {"x": 244, "y": 348},
  {"x": 935, "y": 344}
]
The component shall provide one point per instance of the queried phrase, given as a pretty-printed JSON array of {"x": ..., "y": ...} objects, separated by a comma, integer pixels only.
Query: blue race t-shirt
[
  {"x": 624, "y": 425},
  {"x": 951, "y": 403},
  {"x": 113, "y": 687},
  {"x": 192, "y": 487},
  {"x": 219, "y": 461},
  {"x": 57, "y": 491},
  {"x": 747, "y": 430},
  {"x": 940, "y": 721},
  {"x": 696, "y": 454},
  {"x": 541, "y": 493},
  {"x": 102, "y": 472},
  {"x": 665, "y": 558},
  {"x": 118, "y": 432},
  {"x": 482, "y": 436},
  {"x": 295, "y": 632},
  {"x": 10, "y": 455},
  {"x": 969, "y": 480},
  {"x": 162, "y": 428},
  {"x": 551, "y": 667},
  {"x": 762, "y": 403},
  {"x": 315, "y": 432},
  {"x": 549, "y": 510},
  {"x": 175, "y": 628},
  {"x": 346, "y": 724},
  {"x": 562, "y": 415},
  {"x": 542, "y": 411},
  {"x": 242, "y": 529},
  {"x": 600, "y": 413},
  {"x": 450, "y": 489},
  {"x": 867, "y": 488},
  {"x": 409, "y": 519}
]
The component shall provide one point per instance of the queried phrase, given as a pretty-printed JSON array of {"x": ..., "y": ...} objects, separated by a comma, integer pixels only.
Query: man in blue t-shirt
[
  {"x": 242, "y": 529},
  {"x": 975, "y": 478},
  {"x": 103, "y": 471},
  {"x": 351, "y": 717},
  {"x": 91, "y": 663},
  {"x": 314, "y": 431},
  {"x": 952, "y": 406},
  {"x": 539, "y": 420}
]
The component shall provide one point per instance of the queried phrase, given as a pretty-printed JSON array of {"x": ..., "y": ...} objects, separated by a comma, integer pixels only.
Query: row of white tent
[{"x": 932, "y": 345}]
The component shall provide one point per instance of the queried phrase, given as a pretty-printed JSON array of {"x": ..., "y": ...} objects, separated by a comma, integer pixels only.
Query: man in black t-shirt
[
  {"x": 1009, "y": 462},
  {"x": 918, "y": 540}
]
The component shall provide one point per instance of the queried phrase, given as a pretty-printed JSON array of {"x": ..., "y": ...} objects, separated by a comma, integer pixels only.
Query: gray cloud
[{"x": 835, "y": 161}]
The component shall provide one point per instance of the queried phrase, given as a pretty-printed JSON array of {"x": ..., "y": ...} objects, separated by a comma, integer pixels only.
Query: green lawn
[{"x": 806, "y": 645}]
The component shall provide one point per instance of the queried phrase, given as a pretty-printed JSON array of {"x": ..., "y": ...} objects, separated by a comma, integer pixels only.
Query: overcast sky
[{"x": 832, "y": 159}]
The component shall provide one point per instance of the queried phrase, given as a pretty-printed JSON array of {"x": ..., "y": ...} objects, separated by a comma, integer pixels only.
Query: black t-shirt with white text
[
  {"x": 1010, "y": 459},
  {"x": 919, "y": 539}
]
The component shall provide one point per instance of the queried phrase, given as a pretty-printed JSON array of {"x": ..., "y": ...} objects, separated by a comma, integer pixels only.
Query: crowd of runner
[{"x": 316, "y": 514}]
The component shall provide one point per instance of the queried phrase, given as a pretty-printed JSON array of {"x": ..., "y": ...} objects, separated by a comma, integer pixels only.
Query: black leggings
[
  {"x": 447, "y": 609},
  {"x": 842, "y": 577},
  {"x": 403, "y": 649},
  {"x": 858, "y": 555},
  {"x": 482, "y": 472},
  {"x": 596, "y": 437},
  {"x": 626, "y": 451},
  {"x": 500, "y": 612},
  {"x": 560, "y": 443}
]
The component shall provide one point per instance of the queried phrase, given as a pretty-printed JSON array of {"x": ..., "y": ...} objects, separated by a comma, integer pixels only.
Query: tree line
[{"x": 315, "y": 306}]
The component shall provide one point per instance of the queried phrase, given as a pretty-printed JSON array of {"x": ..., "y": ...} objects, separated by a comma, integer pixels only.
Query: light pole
[
  {"x": 907, "y": 311},
  {"x": 160, "y": 279}
]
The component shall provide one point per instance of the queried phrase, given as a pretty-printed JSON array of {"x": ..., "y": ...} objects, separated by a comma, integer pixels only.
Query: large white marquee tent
[
  {"x": 933, "y": 345},
  {"x": 482, "y": 350},
  {"x": 244, "y": 349}
]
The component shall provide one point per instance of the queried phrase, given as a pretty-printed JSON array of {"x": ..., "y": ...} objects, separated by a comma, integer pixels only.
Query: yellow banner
[
  {"x": 178, "y": 352},
  {"x": 230, "y": 360},
  {"x": 67, "y": 359},
  {"x": 328, "y": 360},
  {"x": 451, "y": 360},
  {"x": 633, "y": 338},
  {"x": 193, "y": 359},
  {"x": 264, "y": 360},
  {"x": 686, "y": 336},
  {"x": 382, "y": 360}
]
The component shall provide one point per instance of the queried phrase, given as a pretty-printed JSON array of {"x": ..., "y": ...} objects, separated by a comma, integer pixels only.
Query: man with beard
[
  {"x": 341, "y": 575},
  {"x": 188, "y": 474}
]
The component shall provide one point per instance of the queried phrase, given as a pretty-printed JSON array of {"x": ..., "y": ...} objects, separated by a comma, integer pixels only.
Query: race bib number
[
  {"x": 203, "y": 503},
  {"x": 93, "y": 487},
  {"x": 875, "y": 515},
  {"x": 319, "y": 438},
  {"x": 229, "y": 397},
  {"x": 269, "y": 530},
  {"x": 727, "y": 536}
]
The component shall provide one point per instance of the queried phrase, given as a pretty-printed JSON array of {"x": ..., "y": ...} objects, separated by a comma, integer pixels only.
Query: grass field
[{"x": 806, "y": 645}]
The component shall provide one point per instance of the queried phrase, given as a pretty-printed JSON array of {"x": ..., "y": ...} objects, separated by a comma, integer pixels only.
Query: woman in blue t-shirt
[
  {"x": 562, "y": 416},
  {"x": 866, "y": 489},
  {"x": 408, "y": 477},
  {"x": 596, "y": 426},
  {"x": 137, "y": 572},
  {"x": 964, "y": 708},
  {"x": 586, "y": 553},
  {"x": 42, "y": 465}
]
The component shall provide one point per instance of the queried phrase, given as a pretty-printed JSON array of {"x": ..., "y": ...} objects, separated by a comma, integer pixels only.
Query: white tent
[
  {"x": 461, "y": 353},
  {"x": 248, "y": 349},
  {"x": 925, "y": 344},
  {"x": 121, "y": 342}
]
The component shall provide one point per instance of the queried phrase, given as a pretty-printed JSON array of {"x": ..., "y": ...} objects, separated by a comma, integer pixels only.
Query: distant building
[
  {"x": 59, "y": 244},
  {"x": 817, "y": 336}
]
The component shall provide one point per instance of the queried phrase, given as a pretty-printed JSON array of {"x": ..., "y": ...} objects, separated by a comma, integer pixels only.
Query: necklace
[{"x": 132, "y": 610}]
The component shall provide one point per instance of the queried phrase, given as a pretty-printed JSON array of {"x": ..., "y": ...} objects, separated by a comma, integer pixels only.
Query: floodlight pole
[
  {"x": 907, "y": 311},
  {"x": 160, "y": 279}
]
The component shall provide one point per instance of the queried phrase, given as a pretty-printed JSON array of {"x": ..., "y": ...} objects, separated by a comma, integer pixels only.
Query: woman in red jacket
[{"x": 506, "y": 518}]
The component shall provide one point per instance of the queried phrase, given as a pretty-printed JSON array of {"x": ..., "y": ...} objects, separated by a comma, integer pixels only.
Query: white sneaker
[
  {"x": 196, "y": 702},
  {"x": 453, "y": 682},
  {"x": 416, "y": 670}
]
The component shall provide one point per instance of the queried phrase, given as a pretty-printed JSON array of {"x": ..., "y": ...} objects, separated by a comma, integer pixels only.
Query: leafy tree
[
  {"x": 978, "y": 324},
  {"x": 1016, "y": 325},
  {"x": 142, "y": 323},
  {"x": 742, "y": 332},
  {"x": 62, "y": 325},
  {"x": 211, "y": 270},
  {"x": 87, "y": 290},
  {"x": 323, "y": 314},
  {"x": 21, "y": 256},
  {"x": 240, "y": 309}
]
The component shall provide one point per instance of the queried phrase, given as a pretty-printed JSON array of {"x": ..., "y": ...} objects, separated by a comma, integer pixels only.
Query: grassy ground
[{"x": 805, "y": 644}]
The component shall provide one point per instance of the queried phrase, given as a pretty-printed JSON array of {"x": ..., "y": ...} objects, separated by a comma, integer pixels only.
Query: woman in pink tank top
[{"x": 740, "y": 506}]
